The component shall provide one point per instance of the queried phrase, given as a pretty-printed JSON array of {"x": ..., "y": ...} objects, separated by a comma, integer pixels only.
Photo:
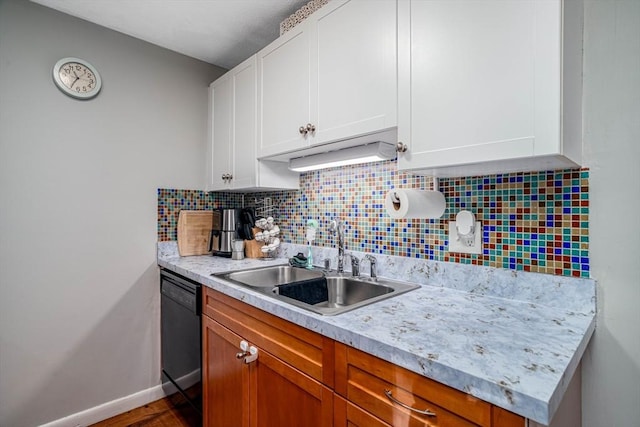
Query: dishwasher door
[{"x": 181, "y": 344}]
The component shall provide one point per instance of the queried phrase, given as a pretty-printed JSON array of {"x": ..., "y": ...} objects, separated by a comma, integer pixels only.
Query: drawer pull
[{"x": 426, "y": 412}]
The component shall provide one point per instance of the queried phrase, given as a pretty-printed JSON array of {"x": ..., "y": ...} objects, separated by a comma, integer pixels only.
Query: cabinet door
[
  {"x": 483, "y": 82},
  {"x": 220, "y": 101},
  {"x": 225, "y": 378},
  {"x": 283, "y": 70},
  {"x": 354, "y": 82},
  {"x": 283, "y": 396},
  {"x": 244, "y": 107}
]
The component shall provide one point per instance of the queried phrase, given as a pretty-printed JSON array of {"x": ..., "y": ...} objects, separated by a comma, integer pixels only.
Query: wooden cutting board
[{"x": 194, "y": 232}]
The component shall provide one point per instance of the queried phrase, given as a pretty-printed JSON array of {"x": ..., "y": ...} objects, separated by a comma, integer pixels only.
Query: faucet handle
[
  {"x": 354, "y": 259},
  {"x": 355, "y": 265},
  {"x": 372, "y": 260}
]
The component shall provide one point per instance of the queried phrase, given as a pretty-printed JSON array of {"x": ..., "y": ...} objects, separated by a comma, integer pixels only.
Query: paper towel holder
[{"x": 395, "y": 200}]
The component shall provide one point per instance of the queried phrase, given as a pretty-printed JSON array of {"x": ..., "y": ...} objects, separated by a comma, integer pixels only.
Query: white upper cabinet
[
  {"x": 489, "y": 86},
  {"x": 356, "y": 70},
  {"x": 284, "y": 92},
  {"x": 231, "y": 160},
  {"x": 220, "y": 155},
  {"x": 331, "y": 78}
]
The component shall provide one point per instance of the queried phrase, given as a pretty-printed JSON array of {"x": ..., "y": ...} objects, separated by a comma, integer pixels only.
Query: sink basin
[
  {"x": 342, "y": 292},
  {"x": 349, "y": 291},
  {"x": 268, "y": 277}
]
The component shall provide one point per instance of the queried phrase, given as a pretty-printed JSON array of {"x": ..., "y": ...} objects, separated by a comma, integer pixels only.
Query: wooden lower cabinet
[
  {"x": 400, "y": 398},
  {"x": 303, "y": 379},
  {"x": 225, "y": 379},
  {"x": 266, "y": 392},
  {"x": 283, "y": 396}
]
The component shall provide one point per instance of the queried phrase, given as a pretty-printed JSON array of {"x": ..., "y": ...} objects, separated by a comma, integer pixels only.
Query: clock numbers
[{"x": 77, "y": 77}]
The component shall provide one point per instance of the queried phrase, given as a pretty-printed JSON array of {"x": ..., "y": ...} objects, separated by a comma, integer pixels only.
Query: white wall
[
  {"x": 79, "y": 302},
  {"x": 611, "y": 366}
]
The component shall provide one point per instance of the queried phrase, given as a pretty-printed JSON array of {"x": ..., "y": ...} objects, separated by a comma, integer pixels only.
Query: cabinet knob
[
  {"x": 401, "y": 147},
  {"x": 311, "y": 128}
]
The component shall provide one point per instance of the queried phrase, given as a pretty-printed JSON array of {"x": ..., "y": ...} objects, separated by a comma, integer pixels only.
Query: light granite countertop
[{"x": 510, "y": 338}]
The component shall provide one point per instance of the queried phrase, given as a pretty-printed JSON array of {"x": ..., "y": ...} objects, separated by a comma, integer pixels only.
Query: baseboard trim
[{"x": 109, "y": 409}]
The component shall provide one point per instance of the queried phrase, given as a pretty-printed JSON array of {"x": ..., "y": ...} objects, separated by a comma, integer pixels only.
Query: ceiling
[{"x": 220, "y": 32}]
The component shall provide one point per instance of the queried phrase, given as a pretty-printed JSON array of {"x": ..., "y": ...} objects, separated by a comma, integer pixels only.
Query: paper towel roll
[{"x": 407, "y": 203}]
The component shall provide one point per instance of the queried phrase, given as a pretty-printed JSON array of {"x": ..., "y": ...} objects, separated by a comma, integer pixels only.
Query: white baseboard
[{"x": 109, "y": 409}]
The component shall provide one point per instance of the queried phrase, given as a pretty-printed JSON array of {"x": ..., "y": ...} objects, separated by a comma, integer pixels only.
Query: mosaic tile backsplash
[
  {"x": 535, "y": 221},
  {"x": 171, "y": 202}
]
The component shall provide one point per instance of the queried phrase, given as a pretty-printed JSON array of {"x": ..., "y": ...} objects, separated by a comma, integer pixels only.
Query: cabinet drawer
[
  {"x": 363, "y": 379},
  {"x": 301, "y": 348},
  {"x": 346, "y": 414}
]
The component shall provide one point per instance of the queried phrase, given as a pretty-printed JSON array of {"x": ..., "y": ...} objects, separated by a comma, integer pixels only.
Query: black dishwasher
[{"x": 181, "y": 344}]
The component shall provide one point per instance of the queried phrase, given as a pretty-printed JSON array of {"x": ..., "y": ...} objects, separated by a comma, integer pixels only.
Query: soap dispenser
[{"x": 312, "y": 226}]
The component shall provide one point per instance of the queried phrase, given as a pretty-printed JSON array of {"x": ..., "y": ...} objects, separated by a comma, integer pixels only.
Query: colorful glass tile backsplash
[
  {"x": 536, "y": 221},
  {"x": 171, "y": 202}
]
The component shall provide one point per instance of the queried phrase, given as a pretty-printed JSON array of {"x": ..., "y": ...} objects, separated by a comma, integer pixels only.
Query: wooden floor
[{"x": 160, "y": 413}]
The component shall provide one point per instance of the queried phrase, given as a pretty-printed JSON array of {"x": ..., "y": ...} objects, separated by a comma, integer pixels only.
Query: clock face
[{"x": 76, "y": 78}]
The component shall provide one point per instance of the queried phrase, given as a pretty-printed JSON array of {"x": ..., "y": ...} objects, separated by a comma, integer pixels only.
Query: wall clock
[{"x": 77, "y": 78}]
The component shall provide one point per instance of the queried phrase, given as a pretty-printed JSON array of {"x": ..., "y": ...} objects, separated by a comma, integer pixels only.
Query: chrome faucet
[
  {"x": 372, "y": 262},
  {"x": 337, "y": 227}
]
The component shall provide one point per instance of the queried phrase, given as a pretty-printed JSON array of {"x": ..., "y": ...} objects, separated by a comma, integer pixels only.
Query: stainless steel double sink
[{"x": 343, "y": 292}]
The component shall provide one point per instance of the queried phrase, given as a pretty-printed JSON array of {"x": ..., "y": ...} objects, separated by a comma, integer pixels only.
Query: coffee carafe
[{"x": 224, "y": 231}]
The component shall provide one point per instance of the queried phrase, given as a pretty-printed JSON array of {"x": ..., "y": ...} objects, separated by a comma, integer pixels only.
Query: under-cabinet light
[{"x": 373, "y": 152}]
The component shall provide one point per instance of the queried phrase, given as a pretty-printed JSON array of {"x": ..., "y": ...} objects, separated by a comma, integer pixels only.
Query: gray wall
[
  {"x": 611, "y": 366},
  {"x": 79, "y": 306}
]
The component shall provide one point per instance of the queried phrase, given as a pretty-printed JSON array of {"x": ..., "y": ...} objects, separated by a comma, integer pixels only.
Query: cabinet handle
[
  {"x": 401, "y": 147},
  {"x": 426, "y": 412},
  {"x": 303, "y": 130}
]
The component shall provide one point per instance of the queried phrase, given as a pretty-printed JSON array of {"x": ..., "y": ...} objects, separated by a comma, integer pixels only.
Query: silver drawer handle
[{"x": 426, "y": 412}]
